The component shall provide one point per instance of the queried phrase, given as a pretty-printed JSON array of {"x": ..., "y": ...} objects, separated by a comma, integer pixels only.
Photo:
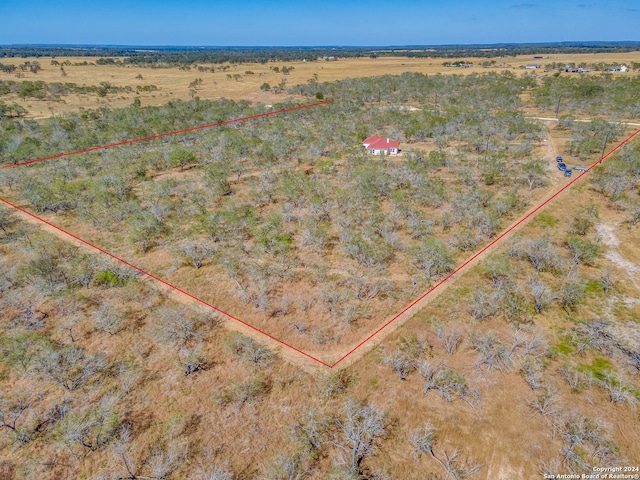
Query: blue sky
[{"x": 313, "y": 22}]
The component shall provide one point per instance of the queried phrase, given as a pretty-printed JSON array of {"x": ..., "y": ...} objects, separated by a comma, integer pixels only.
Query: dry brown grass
[
  {"x": 508, "y": 438},
  {"x": 173, "y": 83}
]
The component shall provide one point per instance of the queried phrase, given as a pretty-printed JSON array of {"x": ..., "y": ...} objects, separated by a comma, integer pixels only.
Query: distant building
[
  {"x": 458, "y": 64},
  {"x": 531, "y": 66},
  {"x": 575, "y": 70},
  {"x": 618, "y": 68},
  {"x": 379, "y": 145}
]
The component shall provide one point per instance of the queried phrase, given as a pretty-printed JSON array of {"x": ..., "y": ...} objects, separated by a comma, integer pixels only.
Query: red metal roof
[
  {"x": 371, "y": 139},
  {"x": 379, "y": 143}
]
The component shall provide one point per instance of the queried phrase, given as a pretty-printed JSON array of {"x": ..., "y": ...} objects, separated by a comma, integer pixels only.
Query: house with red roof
[{"x": 380, "y": 145}]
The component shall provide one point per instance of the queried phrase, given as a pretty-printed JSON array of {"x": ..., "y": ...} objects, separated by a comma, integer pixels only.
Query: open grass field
[{"x": 173, "y": 83}]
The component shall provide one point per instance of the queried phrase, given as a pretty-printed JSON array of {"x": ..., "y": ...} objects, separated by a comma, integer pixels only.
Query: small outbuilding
[
  {"x": 380, "y": 145},
  {"x": 619, "y": 68}
]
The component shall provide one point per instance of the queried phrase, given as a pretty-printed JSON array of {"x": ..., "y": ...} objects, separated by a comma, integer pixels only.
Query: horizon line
[{"x": 334, "y": 46}]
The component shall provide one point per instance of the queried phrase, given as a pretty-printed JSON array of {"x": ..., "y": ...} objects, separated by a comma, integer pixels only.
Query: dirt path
[
  {"x": 551, "y": 119},
  {"x": 607, "y": 233}
]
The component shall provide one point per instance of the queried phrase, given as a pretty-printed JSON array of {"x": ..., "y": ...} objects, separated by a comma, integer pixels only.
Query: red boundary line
[
  {"x": 481, "y": 251},
  {"x": 389, "y": 322},
  {"x": 167, "y": 134},
  {"x": 158, "y": 279}
]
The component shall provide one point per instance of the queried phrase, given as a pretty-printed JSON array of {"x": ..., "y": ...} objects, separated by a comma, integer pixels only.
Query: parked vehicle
[
  {"x": 558, "y": 159},
  {"x": 562, "y": 166},
  {"x": 567, "y": 172},
  {"x": 580, "y": 169}
]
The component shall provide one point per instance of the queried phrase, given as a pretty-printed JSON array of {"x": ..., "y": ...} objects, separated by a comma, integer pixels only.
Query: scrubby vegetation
[
  {"x": 238, "y": 202},
  {"x": 289, "y": 224}
]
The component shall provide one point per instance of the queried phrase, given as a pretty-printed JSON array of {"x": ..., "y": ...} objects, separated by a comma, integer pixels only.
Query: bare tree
[
  {"x": 11, "y": 411},
  {"x": 580, "y": 433},
  {"x": 494, "y": 354},
  {"x": 109, "y": 317},
  {"x": 450, "y": 338},
  {"x": 456, "y": 467},
  {"x": 216, "y": 473},
  {"x": 535, "y": 174},
  {"x": 180, "y": 326},
  {"x": 541, "y": 255},
  {"x": 607, "y": 280},
  {"x": 6, "y": 220},
  {"x": 286, "y": 466},
  {"x": 483, "y": 305},
  {"x": 541, "y": 294},
  {"x": 576, "y": 380},
  {"x": 91, "y": 428},
  {"x": 406, "y": 356},
  {"x": 69, "y": 366},
  {"x": 532, "y": 345},
  {"x": 532, "y": 373},
  {"x": 358, "y": 435},
  {"x": 551, "y": 468},
  {"x": 450, "y": 384},
  {"x": 158, "y": 466},
  {"x": 248, "y": 349},
  {"x": 164, "y": 461},
  {"x": 618, "y": 392},
  {"x": 124, "y": 452},
  {"x": 546, "y": 402},
  {"x": 401, "y": 363},
  {"x": 192, "y": 359},
  {"x": 310, "y": 432},
  {"x": 128, "y": 375},
  {"x": 335, "y": 382},
  {"x": 423, "y": 441},
  {"x": 571, "y": 292},
  {"x": 195, "y": 251}
]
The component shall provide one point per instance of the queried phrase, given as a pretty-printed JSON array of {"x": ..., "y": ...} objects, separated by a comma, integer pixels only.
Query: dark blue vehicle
[
  {"x": 567, "y": 172},
  {"x": 558, "y": 159},
  {"x": 562, "y": 166}
]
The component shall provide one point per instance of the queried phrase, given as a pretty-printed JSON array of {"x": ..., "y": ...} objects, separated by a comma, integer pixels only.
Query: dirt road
[{"x": 586, "y": 120}]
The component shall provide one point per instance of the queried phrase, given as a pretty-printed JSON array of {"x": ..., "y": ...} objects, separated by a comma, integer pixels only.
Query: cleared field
[{"x": 174, "y": 83}]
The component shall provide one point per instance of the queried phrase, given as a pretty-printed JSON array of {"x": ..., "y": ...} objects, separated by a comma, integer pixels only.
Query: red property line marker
[
  {"x": 476, "y": 255},
  {"x": 167, "y": 134},
  {"x": 163, "y": 282},
  {"x": 311, "y": 357}
]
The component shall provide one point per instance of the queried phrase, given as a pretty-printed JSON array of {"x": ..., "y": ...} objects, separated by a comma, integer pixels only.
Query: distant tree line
[
  {"x": 52, "y": 91},
  {"x": 172, "y": 56}
]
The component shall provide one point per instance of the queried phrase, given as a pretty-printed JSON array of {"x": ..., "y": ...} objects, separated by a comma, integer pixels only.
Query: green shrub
[{"x": 107, "y": 278}]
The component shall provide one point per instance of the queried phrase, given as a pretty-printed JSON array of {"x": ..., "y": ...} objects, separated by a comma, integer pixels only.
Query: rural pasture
[{"x": 177, "y": 84}]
